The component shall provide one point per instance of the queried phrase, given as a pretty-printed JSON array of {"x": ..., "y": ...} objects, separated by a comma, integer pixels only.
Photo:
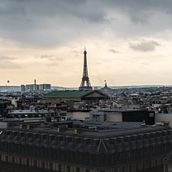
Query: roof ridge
[{"x": 101, "y": 142}]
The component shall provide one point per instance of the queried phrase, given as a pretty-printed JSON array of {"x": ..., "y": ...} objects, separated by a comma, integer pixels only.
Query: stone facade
[{"x": 127, "y": 150}]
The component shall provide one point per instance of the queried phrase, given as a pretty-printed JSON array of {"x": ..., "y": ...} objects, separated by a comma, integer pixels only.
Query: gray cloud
[
  {"x": 7, "y": 58},
  {"x": 51, "y": 23},
  {"x": 145, "y": 63},
  {"x": 76, "y": 53},
  {"x": 113, "y": 51},
  {"x": 138, "y": 6},
  {"x": 144, "y": 46},
  {"x": 45, "y": 56},
  {"x": 8, "y": 63},
  {"x": 52, "y": 58}
]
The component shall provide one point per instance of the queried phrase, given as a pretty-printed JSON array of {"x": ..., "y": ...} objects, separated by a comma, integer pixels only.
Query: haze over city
[{"x": 128, "y": 42}]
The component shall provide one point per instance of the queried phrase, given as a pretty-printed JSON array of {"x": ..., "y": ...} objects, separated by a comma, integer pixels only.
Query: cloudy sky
[{"x": 129, "y": 42}]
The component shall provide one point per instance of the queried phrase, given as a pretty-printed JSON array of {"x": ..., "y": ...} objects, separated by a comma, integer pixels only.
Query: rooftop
[
  {"x": 100, "y": 130},
  {"x": 68, "y": 93},
  {"x": 89, "y": 137},
  {"x": 27, "y": 111}
]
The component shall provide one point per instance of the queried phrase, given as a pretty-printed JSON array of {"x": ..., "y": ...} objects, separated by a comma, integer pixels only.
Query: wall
[
  {"x": 164, "y": 118},
  {"x": 113, "y": 116},
  {"x": 79, "y": 115}
]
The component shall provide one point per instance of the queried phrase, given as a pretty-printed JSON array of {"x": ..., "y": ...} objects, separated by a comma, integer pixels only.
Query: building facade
[{"x": 117, "y": 147}]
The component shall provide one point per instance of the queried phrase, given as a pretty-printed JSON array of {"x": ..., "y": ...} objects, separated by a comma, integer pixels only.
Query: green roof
[{"x": 68, "y": 93}]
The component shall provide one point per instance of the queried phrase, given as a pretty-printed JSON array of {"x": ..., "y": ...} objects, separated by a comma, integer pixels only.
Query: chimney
[
  {"x": 75, "y": 131},
  {"x": 58, "y": 130}
]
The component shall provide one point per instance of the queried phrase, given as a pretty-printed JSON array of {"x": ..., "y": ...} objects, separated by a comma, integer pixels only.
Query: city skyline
[{"x": 128, "y": 42}]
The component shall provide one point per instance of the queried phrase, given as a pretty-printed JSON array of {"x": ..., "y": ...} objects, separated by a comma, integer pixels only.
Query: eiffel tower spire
[{"x": 85, "y": 82}]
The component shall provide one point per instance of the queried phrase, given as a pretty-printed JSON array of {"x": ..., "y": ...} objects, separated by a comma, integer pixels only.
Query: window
[
  {"x": 13, "y": 159},
  {"x": 60, "y": 168},
  {"x": 20, "y": 161},
  {"x": 68, "y": 168},
  {"x": 35, "y": 163},
  {"x": 27, "y": 162},
  {"x": 51, "y": 165},
  {"x": 77, "y": 169},
  {"x": 42, "y": 164},
  {"x": 6, "y": 158}
]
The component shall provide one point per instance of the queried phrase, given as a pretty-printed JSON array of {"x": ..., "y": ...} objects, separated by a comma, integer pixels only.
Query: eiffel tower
[{"x": 85, "y": 82}]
